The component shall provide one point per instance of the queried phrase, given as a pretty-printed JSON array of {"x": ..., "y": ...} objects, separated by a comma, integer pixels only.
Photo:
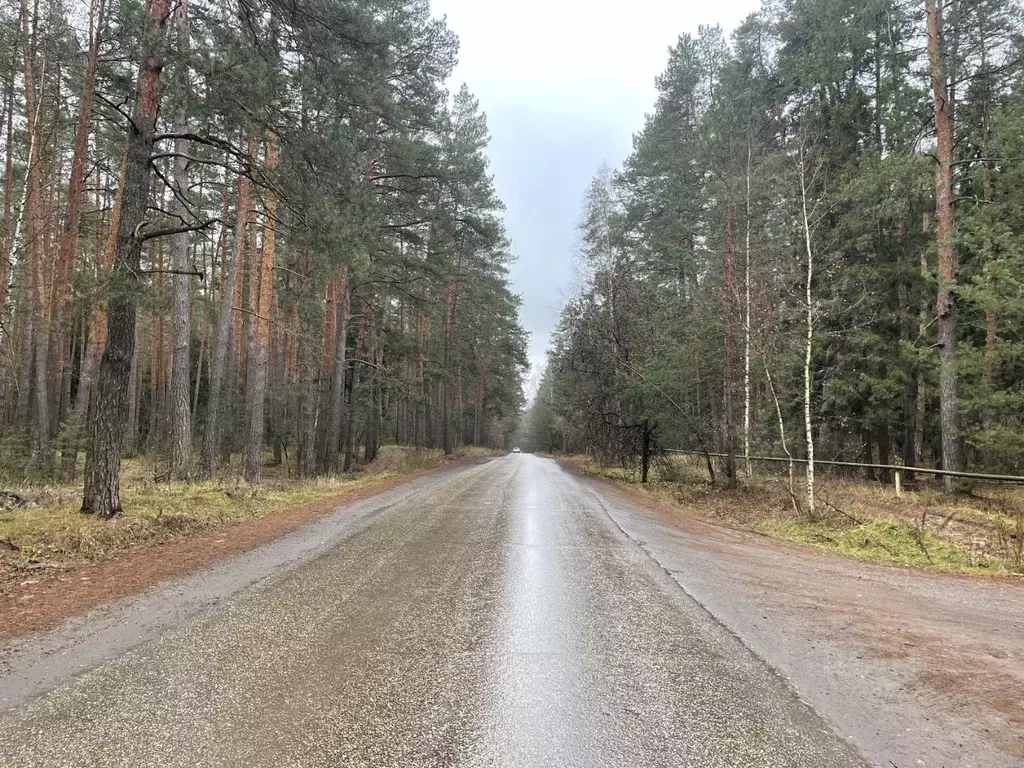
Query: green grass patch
[{"x": 885, "y": 540}]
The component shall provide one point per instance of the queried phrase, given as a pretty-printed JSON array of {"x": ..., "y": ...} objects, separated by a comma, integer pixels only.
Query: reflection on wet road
[{"x": 498, "y": 618}]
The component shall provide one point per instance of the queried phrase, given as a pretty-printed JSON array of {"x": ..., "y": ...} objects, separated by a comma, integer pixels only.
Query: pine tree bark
[
  {"x": 373, "y": 420},
  {"x": 310, "y": 366},
  {"x": 480, "y": 391},
  {"x": 342, "y": 306},
  {"x": 108, "y": 413},
  {"x": 422, "y": 404},
  {"x": 68, "y": 248},
  {"x": 181, "y": 316},
  {"x": 132, "y": 431},
  {"x": 97, "y": 333},
  {"x": 325, "y": 376},
  {"x": 159, "y": 367},
  {"x": 225, "y": 320},
  {"x": 947, "y": 310},
  {"x": 921, "y": 396},
  {"x": 35, "y": 255},
  {"x": 350, "y": 422},
  {"x": 23, "y": 408},
  {"x": 259, "y": 339},
  {"x": 449, "y": 291},
  {"x": 277, "y": 383}
]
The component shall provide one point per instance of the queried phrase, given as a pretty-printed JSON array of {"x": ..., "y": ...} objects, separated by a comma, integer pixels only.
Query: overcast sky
[{"x": 565, "y": 85}]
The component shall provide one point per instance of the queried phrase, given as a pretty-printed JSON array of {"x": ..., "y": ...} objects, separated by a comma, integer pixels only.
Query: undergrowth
[
  {"x": 42, "y": 529},
  {"x": 924, "y": 528},
  {"x": 883, "y": 540}
]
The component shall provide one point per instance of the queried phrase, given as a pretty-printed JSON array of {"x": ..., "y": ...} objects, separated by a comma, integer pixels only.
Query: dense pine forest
[
  {"x": 240, "y": 233},
  {"x": 815, "y": 249}
]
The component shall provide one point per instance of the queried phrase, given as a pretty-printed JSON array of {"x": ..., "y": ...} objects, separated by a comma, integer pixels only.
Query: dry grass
[
  {"x": 45, "y": 530},
  {"x": 399, "y": 460},
  {"x": 977, "y": 533}
]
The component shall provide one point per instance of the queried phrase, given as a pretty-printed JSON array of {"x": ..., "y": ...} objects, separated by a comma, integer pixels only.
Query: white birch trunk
[
  {"x": 746, "y": 328},
  {"x": 810, "y": 339}
]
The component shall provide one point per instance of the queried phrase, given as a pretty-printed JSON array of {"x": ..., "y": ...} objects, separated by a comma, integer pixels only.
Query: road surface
[{"x": 494, "y": 616}]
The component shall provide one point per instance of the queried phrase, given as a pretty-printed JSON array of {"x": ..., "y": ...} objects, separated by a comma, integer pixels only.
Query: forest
[
  {"x": 244, "y": 233},
  {"x": 814, "y": 250}
]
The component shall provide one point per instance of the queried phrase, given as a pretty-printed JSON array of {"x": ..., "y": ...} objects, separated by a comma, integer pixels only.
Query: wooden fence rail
[{"x": 898, "y": 469}]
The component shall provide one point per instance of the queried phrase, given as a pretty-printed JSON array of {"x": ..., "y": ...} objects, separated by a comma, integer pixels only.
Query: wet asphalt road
[{"x": 496, "y": 618}]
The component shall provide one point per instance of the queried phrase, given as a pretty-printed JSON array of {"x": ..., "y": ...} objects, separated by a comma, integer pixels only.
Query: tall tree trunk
[
  {"x": 423, "y": 399},
  {"x": 949, "y": 410},
  {"x": 68, "y": 248},
  {"x": 256, "y": 376},
  {"x": 987, "y": 256},
  {"x": 7, "y": 244},
  {"x": 23, "y": 408},
  {"x": 97, "y": 332},
  {"x": 225, "y": 319},
  {"x": 350, "y": 422},
  {"x": 108, "y": 413},
  {"x": 746, "y": 320},
  {"x": 373, "y": 420},
  {"x": 458, "y": 406},
  {"x": 277, "y": 381},
  {"x": 24, "y": 309},
  {"x": 181, "y": 316},
  {"x": 445, "y": 395},
  {"x": 326, "y": 376},
  {"x": 308, "y": 391},
  {"x": 729, "y": 383},
  {"x": 342, "y": 304},
  {"x": 197, "y": 386},
  {"x": 159, "y": 367},
  {"x": 809, "y": 340},
  {"x": 132, "y": 431},
  {"x": 35, "y": 250},
  {"x": 479, "y": 412},
  {"x": 907, "y": 455},
  {"x": 921, "y": 406},
  {"x": 782, "y": 430}
]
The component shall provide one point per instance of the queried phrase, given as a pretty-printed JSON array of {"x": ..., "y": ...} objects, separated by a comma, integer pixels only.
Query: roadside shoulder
[
  {"x": 916, "y": 668},
  {"x": 158, "y": 600}
]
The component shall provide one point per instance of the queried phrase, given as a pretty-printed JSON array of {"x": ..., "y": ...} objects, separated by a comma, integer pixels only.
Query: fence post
[{"x": 898, "y": 475}]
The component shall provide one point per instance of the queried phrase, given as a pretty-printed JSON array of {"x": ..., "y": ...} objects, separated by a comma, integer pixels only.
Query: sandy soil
[{"x": 918, "y": 669}]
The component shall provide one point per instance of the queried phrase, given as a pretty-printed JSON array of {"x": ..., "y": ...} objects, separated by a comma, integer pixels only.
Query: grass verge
[
  {"x": 42, "y": 530},
  {"x": 979, "y": 534}
]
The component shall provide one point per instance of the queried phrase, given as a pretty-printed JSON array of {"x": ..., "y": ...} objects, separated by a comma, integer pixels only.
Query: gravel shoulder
[
  {"x": 128, "y": 602},
  {"x": 34, "y": 601},
  {"x": 917, "y": 669}
]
